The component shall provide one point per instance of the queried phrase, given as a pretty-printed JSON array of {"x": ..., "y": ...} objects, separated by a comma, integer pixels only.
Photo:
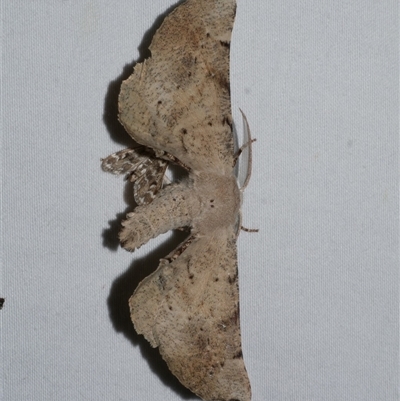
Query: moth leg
[
  {"x": 173, "y": 207},
  {"x": 240, "y": 227},
  {"x": 241, "y": 149},
  {"x": 249, "y": 230}
]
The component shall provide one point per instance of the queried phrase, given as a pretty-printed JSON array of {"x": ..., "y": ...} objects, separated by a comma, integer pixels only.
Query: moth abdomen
[{"x": 174, "y": 207}]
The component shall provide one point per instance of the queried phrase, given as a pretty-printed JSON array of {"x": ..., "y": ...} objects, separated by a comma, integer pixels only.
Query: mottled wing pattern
[
  {"x": 148, "y": 179},
  {"x": 191, "y": 312},
  {"x": 178, "y": 100},
  {"x": 140, "y": 167}
]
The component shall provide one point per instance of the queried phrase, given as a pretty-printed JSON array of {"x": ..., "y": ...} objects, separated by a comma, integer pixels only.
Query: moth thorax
[{"x": 220, "y": 198}]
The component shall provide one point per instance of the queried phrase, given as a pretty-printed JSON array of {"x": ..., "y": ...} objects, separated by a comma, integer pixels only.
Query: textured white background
[{"x": 319, "y": 302}]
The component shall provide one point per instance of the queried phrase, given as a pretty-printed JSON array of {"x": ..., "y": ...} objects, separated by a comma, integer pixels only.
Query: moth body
[{"x": 205, "y": 202}]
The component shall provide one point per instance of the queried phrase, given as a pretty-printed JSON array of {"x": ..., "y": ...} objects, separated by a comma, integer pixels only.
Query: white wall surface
[{"x": 318, "y": 81}]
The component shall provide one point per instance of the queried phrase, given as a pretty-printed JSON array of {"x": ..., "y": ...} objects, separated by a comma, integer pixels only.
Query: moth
[{"x": 176, "y": 105}]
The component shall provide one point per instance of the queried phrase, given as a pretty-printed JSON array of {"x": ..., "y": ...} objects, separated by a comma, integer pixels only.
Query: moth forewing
[{"x": 178, "y": 104}]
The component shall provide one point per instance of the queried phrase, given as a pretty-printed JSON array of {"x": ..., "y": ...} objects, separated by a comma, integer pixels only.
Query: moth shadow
[
  {"x": 110, "y": 113},
  {"x": 122, "y": 289},
  {"x": 110, "y": 234}
]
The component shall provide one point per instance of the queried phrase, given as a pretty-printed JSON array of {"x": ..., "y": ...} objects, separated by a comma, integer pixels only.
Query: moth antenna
[
  {"x": 249, "y": 169},
  {"x": 249, "y": 145}
]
